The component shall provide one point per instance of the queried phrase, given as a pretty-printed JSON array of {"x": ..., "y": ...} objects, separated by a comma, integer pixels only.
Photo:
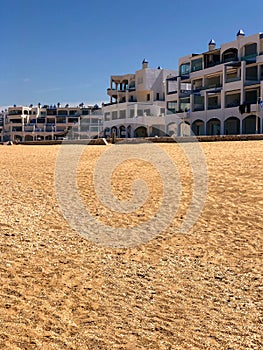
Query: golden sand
[{"x": 201, "y": 290}]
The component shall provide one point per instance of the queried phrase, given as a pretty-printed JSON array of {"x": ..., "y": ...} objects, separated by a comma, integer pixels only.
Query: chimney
[
  {"x": 240, "y": 33},
  {"x": 144, "y": 64},
  {"x": 211, "y": 45}
]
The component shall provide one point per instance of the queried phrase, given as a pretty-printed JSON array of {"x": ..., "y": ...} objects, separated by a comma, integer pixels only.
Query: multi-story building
[
  {"x": 137, "y": 103},
  {"x": 51, "y": 122},
  {"x": 226, "y": 88}
]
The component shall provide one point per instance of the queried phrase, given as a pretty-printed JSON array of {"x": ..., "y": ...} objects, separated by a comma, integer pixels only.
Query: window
[
  {"x": 197, "y": 64},
  {"x": 147, "y": 112},
  {"x": 171, "y": 86},
  {"x": 132, "y": 113},
  {"x": 122, "y": 114},
  {"x": 73, "y": 112},
  {"x": 107, "y": 116},
  {"x": 251, "y": 96},
  {"x": 198, "y": 103},
  {"x": 85, "y": 112},
  {"x": 62, "y": 112},
  {"x": 232, "y": 100},
  {"x": 252, "y": 73},
  {"x": 157, "y": 96},
  {"x": 185, "y": 69},
  {"x": 251, "y": 49},
  {"x": 114, "y": 115},
  {"x": 172, "y": 106},
  {"x": 148, "y": 97}
]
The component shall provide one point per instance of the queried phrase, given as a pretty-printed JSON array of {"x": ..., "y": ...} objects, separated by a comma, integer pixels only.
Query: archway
[
  {"x": 157, "y": 130},
  {"x": 28, "y": 138},
  {"x": 18, "y": 138},
  {"x": 141, "y": 131},
  {"x": 249, "y": 124},
  {"x": 198, "y": 127},
  {"x": 39, "y": 137},
  {"x": 106, "y": 132},
  {"x": 213, "y": 127},
  {"x": 232, "y": 126}
]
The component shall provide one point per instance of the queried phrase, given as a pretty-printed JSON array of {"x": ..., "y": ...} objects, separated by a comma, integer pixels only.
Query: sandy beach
[{"x": 195, "y": 290}]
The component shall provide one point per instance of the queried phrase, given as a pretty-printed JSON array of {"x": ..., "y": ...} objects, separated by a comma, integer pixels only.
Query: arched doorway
[
  {"x": 28, "y": 138},
  {"x": 157, "y": 130},
  {"x": 141, "y": 131},
  {"x": 213, "y": 127},
  {"x": 39, "y": 137},
  {"x": 232, "y": 126},
  {"x": 198, "y": 127},
  {"x": 249, "y": 125},
  {"x": 18, "y": 138},
  {"x": 106, "y": 132}
]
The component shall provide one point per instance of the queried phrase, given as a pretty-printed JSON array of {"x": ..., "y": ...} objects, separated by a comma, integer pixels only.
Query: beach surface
[{"x": 196, "y": 290}]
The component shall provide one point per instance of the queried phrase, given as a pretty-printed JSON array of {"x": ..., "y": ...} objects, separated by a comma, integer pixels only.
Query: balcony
[
  {"x": 184, "y": 93},
  {"x": 218, "y": 106},
  {"x": 214, "y": 87},
  {"x": 230, "y": 80},
  {"x": 251, "y": 82},
  {"x": 232, "y": 104},
  {"x": 249, "y": 58},
  {"x": 198, "y": 107}
]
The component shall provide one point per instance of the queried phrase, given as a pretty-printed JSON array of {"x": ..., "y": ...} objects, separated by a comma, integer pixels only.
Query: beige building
[
  {"x": 137, "y": 103},
  {"x": 226, "y": 88}
]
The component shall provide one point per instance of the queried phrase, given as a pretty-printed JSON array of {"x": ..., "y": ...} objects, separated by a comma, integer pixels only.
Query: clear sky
[{"x": 65, "y": 50}]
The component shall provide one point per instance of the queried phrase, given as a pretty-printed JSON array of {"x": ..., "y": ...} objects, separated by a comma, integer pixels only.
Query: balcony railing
[
  {"x": 232, "y": 104},
  {"x": 198, "y": 107},
  {"x": 251, "y": 82},
  {"x": 214, "y": 107},
  {"x": 183, "y": 94},
  {"x": 230, "y": 80},
  {"x": 213, "y": 86},
  {"x": 249, "y": 57}
]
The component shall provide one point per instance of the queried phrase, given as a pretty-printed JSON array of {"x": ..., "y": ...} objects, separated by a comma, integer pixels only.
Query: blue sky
[{"x": 65, "y": 51}]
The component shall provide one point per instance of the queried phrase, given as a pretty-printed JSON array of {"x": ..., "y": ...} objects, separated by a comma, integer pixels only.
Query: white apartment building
[
  {"x": 137, "y": 103},
  {"x": 226, "y": 88},
  {"x": 35, "y": 123}
]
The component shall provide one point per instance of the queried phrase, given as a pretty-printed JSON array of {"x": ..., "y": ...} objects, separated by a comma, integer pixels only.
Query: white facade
[
  {"x": 22, "y": 123},
  {"x": 137, "y": 103},
  {"x": 226, "y": 86}
]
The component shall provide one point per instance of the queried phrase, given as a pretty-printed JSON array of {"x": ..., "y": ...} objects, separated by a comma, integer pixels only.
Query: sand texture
[{"x": 200, "y": 290}]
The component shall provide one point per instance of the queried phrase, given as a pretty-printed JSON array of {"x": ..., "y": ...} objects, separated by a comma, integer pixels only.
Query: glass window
[
  {"x": 114, "y": 115},
  {"x": 197, "y": 64},
  {"x": 171, "y": 86},
  {"x": 250, "y": 49},
  {"x": 172, "y": 106},
  {"x": 185, "y": 69}
]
